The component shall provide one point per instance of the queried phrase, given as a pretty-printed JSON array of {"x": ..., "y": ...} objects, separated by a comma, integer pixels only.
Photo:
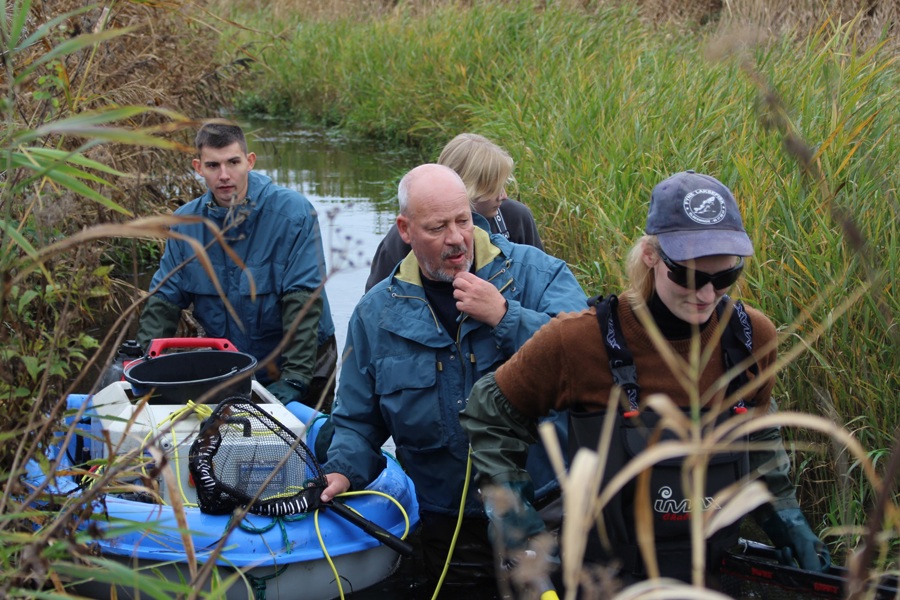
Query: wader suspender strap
[
  {"x": 621, "y": 363},
  {"x": 737, "y": 345}
]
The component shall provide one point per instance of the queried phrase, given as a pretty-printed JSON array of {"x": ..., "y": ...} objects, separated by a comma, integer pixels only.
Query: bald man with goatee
[{"x": 457, "y": 307}]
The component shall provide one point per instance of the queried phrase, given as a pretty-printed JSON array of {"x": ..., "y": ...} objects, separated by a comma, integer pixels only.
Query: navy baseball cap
[{"x": 694, "y": 215}]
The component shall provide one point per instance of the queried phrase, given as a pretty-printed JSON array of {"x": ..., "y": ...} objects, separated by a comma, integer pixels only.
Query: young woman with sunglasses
[{"x": 679, "y": 273}]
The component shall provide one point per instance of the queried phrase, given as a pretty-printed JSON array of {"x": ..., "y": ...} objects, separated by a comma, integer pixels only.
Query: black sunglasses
[{"x": 692, "y": 278}]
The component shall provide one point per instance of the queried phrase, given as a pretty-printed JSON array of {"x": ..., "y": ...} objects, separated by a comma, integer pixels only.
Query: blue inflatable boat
[{"x": 155, "y": 526}]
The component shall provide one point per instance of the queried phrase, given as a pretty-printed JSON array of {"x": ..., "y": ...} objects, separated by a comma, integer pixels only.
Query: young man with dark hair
[{"x": 275, "y": 232}]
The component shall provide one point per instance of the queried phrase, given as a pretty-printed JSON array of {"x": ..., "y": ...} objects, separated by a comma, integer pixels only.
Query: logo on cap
[{"x": 704, "y": 206}]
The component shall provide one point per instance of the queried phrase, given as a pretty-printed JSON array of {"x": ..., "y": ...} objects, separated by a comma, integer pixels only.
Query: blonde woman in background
[{"x": 485, "y": 168}]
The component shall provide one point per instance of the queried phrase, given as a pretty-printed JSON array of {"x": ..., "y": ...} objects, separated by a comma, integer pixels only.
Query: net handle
[
  {"x": 376, "y": 531},
  {"x": 753, "y": 548}
]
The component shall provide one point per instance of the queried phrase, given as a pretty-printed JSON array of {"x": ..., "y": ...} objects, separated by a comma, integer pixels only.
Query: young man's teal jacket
[
  {"x": 276, "y": 234},
  {"x": 404, "y": 376}
]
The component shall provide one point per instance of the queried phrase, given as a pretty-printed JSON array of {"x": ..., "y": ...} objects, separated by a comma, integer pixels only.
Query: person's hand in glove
[
  {"x": 288, "y": 390},
  {"x": 159, "y": 320},
  {"x": 789, "y": 531},
  {"x": 512, "y": 518},
  {"x": 513, "y": 523}
]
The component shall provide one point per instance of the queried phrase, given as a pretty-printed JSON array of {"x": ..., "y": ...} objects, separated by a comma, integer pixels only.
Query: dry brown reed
[
  {"x": 167, "y": 59},
  {"x": 805, "y": 16}
]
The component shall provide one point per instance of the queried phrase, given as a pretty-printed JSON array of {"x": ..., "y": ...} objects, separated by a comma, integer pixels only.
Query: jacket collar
[
  {"x": 242, "y": 213},
  {"x": 482, "y": 222},
  {"x": 485, "y": 253}
]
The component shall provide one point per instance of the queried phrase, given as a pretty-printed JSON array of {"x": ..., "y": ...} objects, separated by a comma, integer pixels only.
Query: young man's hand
[{"x": 289, "y": 390}]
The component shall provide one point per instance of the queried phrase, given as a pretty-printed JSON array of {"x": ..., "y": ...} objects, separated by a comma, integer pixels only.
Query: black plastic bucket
[{"x": 181, "y": 376}]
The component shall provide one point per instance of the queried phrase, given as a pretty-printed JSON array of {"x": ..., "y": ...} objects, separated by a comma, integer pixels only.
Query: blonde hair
[
  {"x": 640, "y": 276},
  {"x": 484, "y": 166}
]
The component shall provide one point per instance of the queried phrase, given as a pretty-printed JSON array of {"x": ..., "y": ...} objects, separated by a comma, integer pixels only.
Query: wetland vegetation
[{"x": 793, "y": 104}]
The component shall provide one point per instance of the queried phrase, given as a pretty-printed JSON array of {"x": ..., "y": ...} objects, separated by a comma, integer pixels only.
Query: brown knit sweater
[{"x": 565, "y": 364}]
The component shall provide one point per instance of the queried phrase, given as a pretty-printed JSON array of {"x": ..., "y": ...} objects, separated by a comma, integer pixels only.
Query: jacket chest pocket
[
  {"x": 411, "y": 400},
  {"x": 482, "y": 354}
]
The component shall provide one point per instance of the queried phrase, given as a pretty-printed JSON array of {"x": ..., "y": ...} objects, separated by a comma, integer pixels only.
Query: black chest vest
[{"x": 633, "y": 430}]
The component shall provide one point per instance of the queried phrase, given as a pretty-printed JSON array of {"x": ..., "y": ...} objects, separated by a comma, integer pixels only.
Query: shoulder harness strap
[
  {"x": 737, "y": 345},
  {"x": 621, "y": 362}
]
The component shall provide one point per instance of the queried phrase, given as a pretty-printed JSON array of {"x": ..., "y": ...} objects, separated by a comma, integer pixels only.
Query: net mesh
[
  {"x": 745, "y": 588},
  {"x": 235, "y": 460},
  {"x": 755, "y": 574}
]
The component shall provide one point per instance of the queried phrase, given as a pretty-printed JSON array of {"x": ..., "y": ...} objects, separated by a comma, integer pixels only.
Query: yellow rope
[
  {"x": 396, "y": 502},
  {"x": 337, "y": 577},
  {"x": 202, "y": 411},
  {"x": 459, "y": 520},
  {"x": 391, "y": 498}
]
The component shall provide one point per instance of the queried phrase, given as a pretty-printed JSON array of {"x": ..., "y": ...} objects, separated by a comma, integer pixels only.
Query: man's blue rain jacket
[
  {"x": 275, "y": 232},
  {"x": 404, "y": 376}
]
